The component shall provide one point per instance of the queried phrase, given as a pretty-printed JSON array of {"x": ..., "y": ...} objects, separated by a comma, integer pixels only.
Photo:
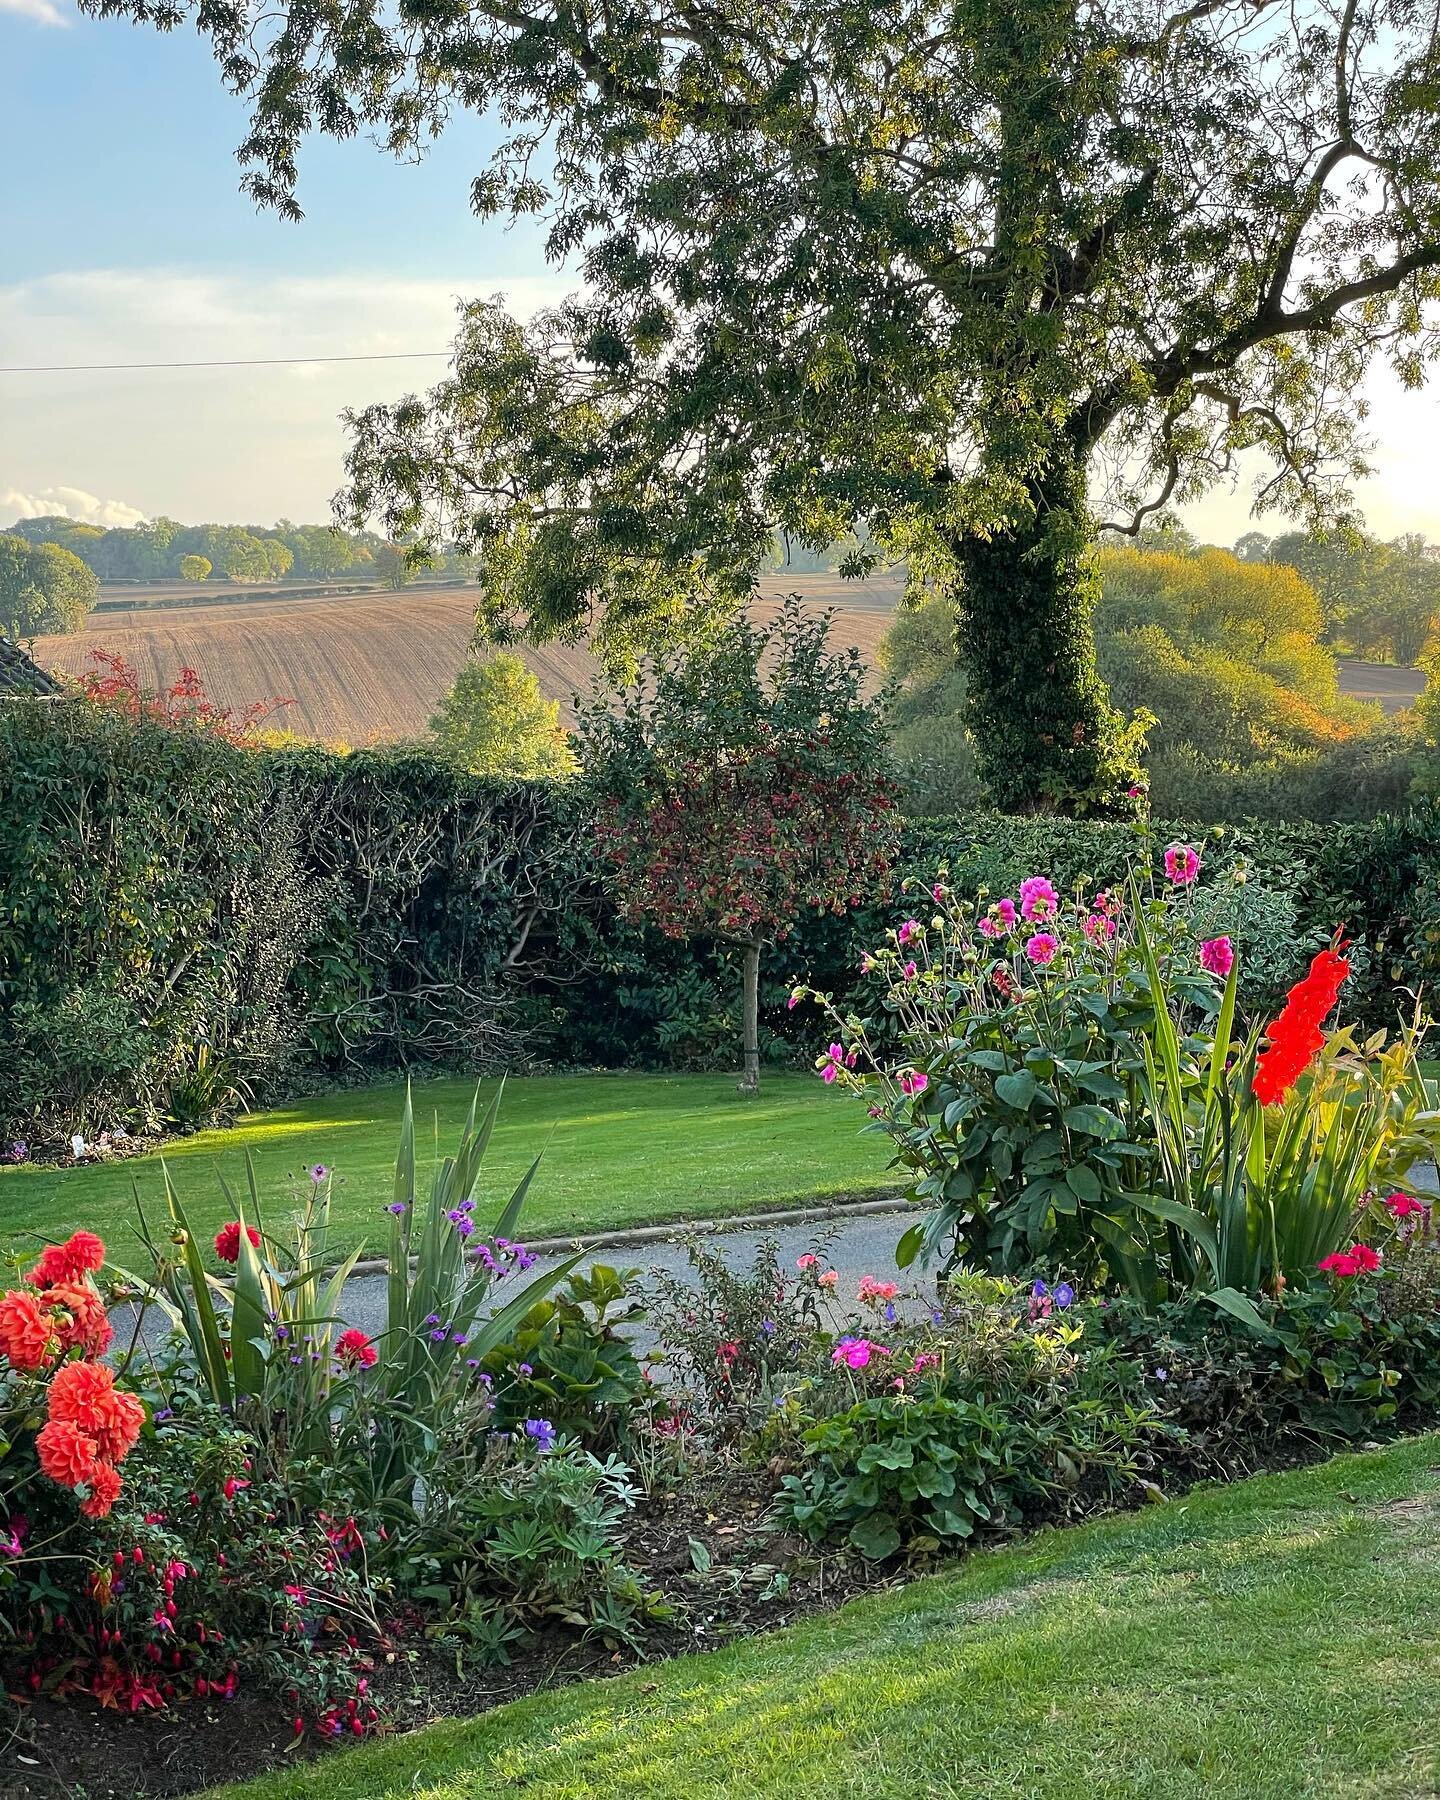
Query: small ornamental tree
[
  {"x": 195, "y": 568},
  {"x": 741, "y": 783},
  {"x": 116, "y": 683}
]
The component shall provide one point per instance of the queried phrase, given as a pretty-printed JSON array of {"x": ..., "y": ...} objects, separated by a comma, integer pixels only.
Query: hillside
[{"x": 370, "y": 668}]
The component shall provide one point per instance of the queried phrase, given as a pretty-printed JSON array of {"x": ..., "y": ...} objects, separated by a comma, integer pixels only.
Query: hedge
[{"x": 167, "y": 898}]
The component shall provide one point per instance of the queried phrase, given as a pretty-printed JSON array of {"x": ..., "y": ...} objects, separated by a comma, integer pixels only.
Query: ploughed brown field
[{"x": 369, "y": 668}]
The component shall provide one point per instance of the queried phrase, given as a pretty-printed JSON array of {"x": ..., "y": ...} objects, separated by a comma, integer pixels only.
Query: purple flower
[
  {"x": 1039, "y": 1291},
  {"x": 432, "y": 1318},
  {"x": 1162, "y": 1374},
  {"x": 396, "y": 1206},
  {"x": 318, "y": 1172},
  {"x": 542, "y": 1431},
  {"x": 768, "y": 1327},
  {"x": 523, "y": 1369},
  {"x": 1064, "y": 1295},
  {"x": 439, "y": 1335}
]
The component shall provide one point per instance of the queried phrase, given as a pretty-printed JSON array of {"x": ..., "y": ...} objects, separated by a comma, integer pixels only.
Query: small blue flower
[
  {"x": 1162, "y": 1374},
  {"x": 1039, "y": 1291},
  {"x": 396, "y": 1206},
  {"x": 890, "y": 1313},
  {"x": 542, "y": 1431},
  {"x": 432, "y": 1318},
  {"x": 1064, "y": 1295},
  {"x": 768, "y": 1327}
]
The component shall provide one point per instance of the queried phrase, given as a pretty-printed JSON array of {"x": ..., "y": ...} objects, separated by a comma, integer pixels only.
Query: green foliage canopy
[
  {"x": 43, "y": 587},
  {"x": 915, "y": 268}
]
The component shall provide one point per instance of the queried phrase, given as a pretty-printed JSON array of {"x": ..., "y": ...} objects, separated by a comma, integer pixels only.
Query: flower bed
[{"x": 276, "y": 1534}]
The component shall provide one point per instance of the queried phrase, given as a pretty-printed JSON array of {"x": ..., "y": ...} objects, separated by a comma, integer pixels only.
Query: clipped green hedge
[{"x": 167, "y": 898}]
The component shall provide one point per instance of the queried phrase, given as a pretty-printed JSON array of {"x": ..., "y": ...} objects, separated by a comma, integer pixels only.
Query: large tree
[
  {"x": 42, "y": 588},
  {"x": 971, "y": 277}
]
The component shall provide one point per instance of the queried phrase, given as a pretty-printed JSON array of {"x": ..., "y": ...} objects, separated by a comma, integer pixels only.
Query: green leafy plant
[
  {"x": 1258, "y": 1180},
  {"x": 567, "y": 1360},
  {"x": 529, "y": 1538}
]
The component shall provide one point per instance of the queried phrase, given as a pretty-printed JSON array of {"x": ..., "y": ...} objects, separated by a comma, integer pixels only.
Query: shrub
[
  {"x": 1011, "y": 1079},
  {"x": 965, "y": 1424}
]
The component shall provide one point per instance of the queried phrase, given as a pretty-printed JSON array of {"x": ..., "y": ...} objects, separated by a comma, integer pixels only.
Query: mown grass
[
  {"x": 1278, "y": 1639},
  {"x": 619, "y": 1150}
]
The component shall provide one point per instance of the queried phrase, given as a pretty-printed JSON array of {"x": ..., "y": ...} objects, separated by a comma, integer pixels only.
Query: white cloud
[
  {"x": 69, "y": 503},
  {"x": 230, "y": 444},
  {"x": 43, "y": 12}
]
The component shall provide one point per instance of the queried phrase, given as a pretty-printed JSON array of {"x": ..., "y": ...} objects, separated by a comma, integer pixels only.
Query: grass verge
[
  {"x": 619, "y": 1150},
  {"x": 1278, "y": 1639}
]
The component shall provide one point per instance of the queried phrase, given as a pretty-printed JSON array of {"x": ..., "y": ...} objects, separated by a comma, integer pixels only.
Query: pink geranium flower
[
  {"x": 856, "y": 1353},
  {"x": 1402, "y": 1206}
]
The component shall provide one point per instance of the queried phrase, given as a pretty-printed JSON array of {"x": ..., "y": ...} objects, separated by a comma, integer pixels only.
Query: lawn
[
  {"x": 1274, "y": 1640},
  {"x": 619, "y": 1150}
]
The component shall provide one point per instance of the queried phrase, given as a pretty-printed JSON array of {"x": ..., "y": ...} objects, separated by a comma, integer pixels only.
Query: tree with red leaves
[
  {"x": 741, "y": 783},
  {"x": 116, "y": 683}
]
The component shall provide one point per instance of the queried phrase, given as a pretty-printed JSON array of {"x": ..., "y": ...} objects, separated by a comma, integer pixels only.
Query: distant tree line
[{"x": 163, "y": 549}]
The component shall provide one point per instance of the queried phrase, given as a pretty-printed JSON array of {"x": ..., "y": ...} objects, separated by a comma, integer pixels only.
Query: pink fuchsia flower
[
  {"x": 793, "y": 1001},
  {"x": 807, "y": 1261},
  {"x": 876, "y": 1292},
  {"x": 1401, "y": 1206},
  {"x": 829, "y": 1279},
  {"x": 908, "y": 930},
  {"x": 912, "y": 1082},
  {"x": 1042, "y": 947},
  {"x": 1182, "y": 864},
  {"x": 1217, "y": 956},
  {"x": 1038, "y": 899}
]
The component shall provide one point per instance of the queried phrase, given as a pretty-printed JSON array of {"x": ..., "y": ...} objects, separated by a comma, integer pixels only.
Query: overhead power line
[{"x": 231, "y": 362}]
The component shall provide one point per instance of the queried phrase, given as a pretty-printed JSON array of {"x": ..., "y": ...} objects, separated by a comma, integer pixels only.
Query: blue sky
[{"x": 127, "y": 239}]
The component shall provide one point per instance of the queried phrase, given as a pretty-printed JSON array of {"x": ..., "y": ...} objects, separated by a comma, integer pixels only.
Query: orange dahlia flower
[
  {"x": 28, "y": 1333},
  {"x": 66, "y": 1454},
  {"x": 85, "y": 1324},
  {"x": 105, "y": 1485},
  {"x": 84, "y": 1394},
  {"x": 84, "y": 1252}
]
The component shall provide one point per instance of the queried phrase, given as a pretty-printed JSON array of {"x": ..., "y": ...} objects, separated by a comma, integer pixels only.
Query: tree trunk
[
  {"x": 1046, "y": 737},
  {"x": 750, "y": 1022}
]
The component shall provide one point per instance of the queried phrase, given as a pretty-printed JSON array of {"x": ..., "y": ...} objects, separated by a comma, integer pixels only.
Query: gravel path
[{"x": 860, "y": 1244}]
